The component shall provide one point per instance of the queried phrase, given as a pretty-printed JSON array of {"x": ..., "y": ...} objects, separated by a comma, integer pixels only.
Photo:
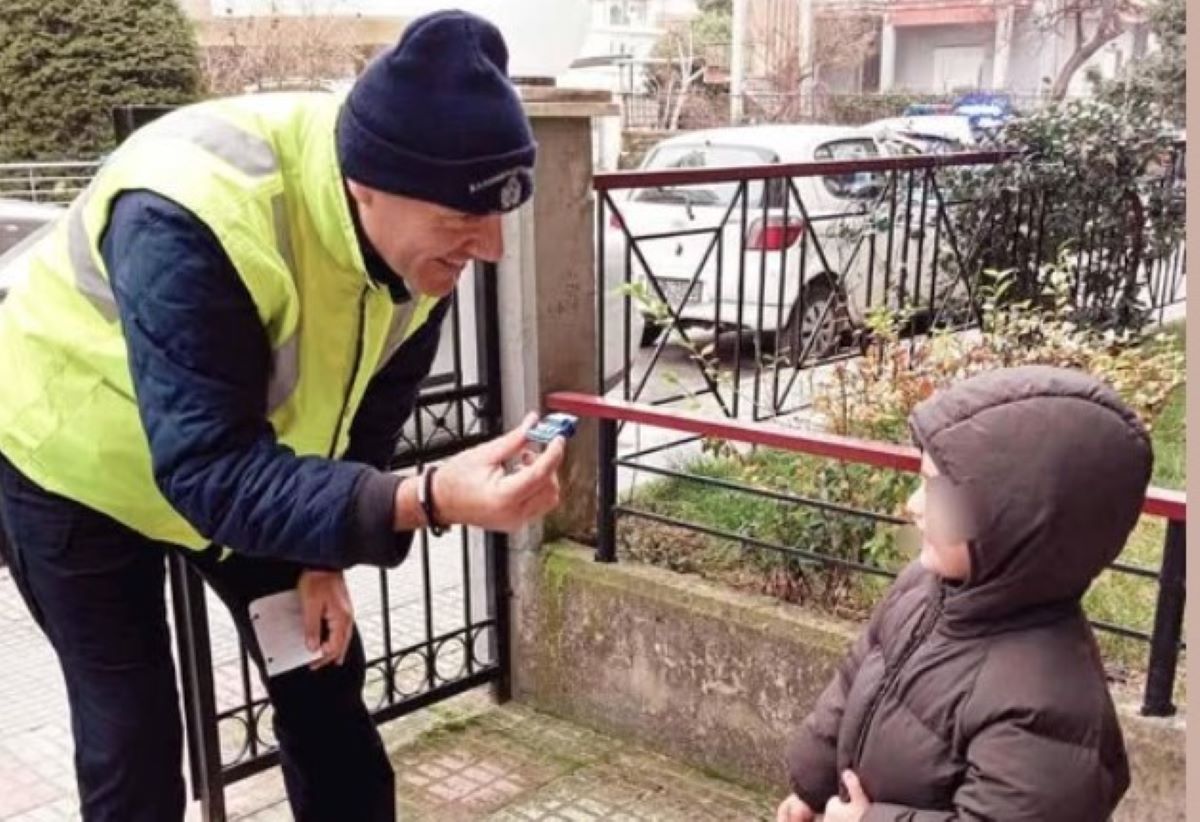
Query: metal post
[
  {"x": 601, "y": 281},
  {"x": 195, "y": 651},
  {"x": 496, "y": 551},
  {"x": 1168, "y": 623},
  {"x": 182, "y": 619},
  {"x": 487, "y": 321},
  {"x": 606, "y": 519}
]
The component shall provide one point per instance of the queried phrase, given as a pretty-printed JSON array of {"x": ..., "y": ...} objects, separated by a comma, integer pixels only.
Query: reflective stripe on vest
[
  {"x": 88, "y": 279},
  {"x": 262, "y": 175},
  {"x": 250, "y": 155}
]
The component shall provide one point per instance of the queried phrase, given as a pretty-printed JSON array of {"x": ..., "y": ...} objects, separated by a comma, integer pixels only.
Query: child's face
[{"x": 949, "y": 560}]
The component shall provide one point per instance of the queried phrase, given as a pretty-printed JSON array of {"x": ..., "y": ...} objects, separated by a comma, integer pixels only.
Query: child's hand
[
  {"x": 793, "y": 809},
  {"x": 853, "y": 811}
]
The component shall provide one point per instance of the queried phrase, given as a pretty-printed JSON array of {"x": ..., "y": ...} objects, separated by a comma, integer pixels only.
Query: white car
[
  {"x": 926, "y": 134},
  {"x": 809, "y": 275},
  {"x": 19, "y": 220}
]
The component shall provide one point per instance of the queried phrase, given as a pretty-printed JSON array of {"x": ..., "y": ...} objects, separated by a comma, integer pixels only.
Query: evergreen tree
[{"x": 64, "y": 64}]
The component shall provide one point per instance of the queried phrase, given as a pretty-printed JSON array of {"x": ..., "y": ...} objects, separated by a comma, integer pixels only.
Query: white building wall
[{"x": 919, "y": 49}]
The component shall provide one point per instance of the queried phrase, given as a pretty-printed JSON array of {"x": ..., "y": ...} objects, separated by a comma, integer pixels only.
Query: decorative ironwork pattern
[
  {"x": 431, "y": 629},
  {"x": 790, "y": 260}
]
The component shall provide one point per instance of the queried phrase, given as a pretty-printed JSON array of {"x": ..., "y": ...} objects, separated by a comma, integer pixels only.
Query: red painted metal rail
[{"x": 1160, "y": 502}]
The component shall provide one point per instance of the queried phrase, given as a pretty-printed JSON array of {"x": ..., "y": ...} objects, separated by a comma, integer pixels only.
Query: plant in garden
[
  {"x": 859, "y": 109},
  {"x": 872, "y": 397},
  {"x": 1160, "y": 77},
  {"x": 1088, "y": 177}
]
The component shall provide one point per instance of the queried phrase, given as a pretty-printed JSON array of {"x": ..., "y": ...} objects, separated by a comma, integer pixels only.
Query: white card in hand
[{"x": 279, "y": 625}]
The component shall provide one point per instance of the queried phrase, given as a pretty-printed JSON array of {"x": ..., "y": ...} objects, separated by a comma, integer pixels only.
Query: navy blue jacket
[{"x": 200, "y": 361}]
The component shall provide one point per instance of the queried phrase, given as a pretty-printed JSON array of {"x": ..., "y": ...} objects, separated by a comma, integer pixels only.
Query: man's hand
[
  {"x": 794, "y": 809},
  {"x": 473, "y": 488},
  {"x": 853, "y": 811},
  {"x": 324, "y": 599}
]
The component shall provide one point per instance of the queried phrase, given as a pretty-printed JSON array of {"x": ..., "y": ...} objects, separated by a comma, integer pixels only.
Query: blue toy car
[{"x": 551, "y": 426}]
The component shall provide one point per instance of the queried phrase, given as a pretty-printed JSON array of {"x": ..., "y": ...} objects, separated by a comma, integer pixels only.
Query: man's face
[{"x": 426, "y": 244}]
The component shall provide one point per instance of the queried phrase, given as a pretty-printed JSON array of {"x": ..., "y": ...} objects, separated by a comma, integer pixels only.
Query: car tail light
[{"x": 775, "y": 235}]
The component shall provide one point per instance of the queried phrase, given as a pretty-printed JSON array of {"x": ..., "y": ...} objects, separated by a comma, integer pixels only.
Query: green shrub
[
  {"x": 871, "y": 398},
  {"x": 64, "y": 64},
  {"x": 1090, "y": 178}
]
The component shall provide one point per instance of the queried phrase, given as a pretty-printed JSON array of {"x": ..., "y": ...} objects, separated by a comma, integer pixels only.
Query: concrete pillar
[
  {"x": 547, "y": 298},
  {"x": 807, "y": 34},
  {"x": 737, "y": 63},
  {"x": 887, "y": 57},
  {"x": 1002, "y": 55}
]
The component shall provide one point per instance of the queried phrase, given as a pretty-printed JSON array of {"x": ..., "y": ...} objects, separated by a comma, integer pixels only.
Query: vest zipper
[
  {"x": 928, "y": 621},
  {"x": 358, "y": 352}
]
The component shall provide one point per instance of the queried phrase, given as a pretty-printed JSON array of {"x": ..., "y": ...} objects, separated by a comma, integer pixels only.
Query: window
[
  {"x": 858, "y": 185},
  {"x": 627, "y": 13},
  {"x": 700, "y": 156}
]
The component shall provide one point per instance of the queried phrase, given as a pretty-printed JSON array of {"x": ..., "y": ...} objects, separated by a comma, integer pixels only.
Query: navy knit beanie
[{"x": 436, "y": 118}]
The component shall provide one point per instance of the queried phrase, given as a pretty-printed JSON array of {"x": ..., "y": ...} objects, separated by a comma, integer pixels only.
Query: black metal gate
[{"x": 426, "y": 639}]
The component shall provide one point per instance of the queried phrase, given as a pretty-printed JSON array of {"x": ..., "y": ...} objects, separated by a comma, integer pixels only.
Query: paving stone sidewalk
[
  {"x": 465, "y": 759},
  {"x": 470, "y": 760}
]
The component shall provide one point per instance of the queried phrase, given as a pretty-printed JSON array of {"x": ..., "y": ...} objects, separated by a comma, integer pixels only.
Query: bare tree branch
[
  {"x": 1107, "y": 19},
  {"x": 282, "y": 51},
  {"x": 839, "y": 41}
]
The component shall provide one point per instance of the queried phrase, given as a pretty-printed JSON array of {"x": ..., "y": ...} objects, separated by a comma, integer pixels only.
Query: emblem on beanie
[
  {"x": 513, "y": 184},
  {"x": 510, "y": 195}
]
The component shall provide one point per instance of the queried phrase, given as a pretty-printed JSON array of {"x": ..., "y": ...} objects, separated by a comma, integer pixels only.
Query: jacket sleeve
[
  {"x": 200, "y": 362},
  {"x": 392, "y": 394},
  {"x": 1018, "y": 775},
  {"x": 812, "y": 754}
]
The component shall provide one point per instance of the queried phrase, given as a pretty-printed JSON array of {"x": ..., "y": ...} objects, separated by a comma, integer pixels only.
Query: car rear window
[
  {"x": 856, "y": 185},
  {"x": 702, "y": 156}
]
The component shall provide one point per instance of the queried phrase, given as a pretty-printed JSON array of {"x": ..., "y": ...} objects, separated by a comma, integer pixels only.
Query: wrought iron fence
[
  {"x": 1164, "y": 640},
  {"x": 754, "y": 274},
  {"x": 425, "y": 642},
  {"x": 791, "y": 259},
  {"x": 57, "y": 183}
]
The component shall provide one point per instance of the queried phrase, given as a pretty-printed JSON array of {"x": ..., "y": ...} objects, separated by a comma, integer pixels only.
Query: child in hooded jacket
[{"x": 976, "y": 691}]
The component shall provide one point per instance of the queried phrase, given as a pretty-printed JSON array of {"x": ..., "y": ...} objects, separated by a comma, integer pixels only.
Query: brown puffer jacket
[{"x": 987, "y": 699}]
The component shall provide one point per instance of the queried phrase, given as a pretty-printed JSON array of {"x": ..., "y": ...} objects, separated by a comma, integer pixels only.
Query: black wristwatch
[{"x": 425, "y": 500}]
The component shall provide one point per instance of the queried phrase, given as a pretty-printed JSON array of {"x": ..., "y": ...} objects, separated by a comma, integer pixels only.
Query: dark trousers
[{"x": 97, "y": 590}]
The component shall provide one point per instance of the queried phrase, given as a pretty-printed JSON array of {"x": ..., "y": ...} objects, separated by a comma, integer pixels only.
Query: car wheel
[
  {"x": 816, "y": 326},
  {"x": 651, "y": 331}
]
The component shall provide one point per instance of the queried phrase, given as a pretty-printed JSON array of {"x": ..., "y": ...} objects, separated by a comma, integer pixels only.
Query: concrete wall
[
  {"x": 718, "y": 681},
  {"x": 915, "y": 48},
  {"x": 1033, "y": 57},
  {"x": 717, "y": 678},
  {"x": 1036, "y": 54}
]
